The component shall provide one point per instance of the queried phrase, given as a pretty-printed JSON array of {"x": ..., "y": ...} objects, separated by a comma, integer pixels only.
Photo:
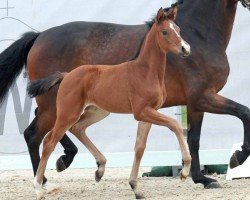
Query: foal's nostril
[{"x": 184, "y": 51}]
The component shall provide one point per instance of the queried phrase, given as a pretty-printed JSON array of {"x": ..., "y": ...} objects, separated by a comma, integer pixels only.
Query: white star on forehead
[{"x": 172, "y": 27}]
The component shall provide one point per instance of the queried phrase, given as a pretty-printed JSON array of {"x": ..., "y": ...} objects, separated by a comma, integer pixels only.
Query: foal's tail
[
  {"x": 41, "y": 86},
  {"x": 13, "y": 60}
]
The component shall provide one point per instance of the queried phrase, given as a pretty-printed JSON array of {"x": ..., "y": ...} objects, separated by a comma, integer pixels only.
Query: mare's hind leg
[
  {"x": 90, "y": 116},
  {"x": 33, "y": 140},
  {"x": 140, "y": 145}
]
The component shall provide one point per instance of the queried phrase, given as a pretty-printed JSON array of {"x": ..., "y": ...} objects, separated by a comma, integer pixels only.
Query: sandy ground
[{"x": 80, "y": 184}]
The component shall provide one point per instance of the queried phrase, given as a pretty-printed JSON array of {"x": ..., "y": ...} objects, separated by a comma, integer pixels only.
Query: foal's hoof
[
  {"x": 139, "y": 195},
  {"x": 51, "y": 188},
  {"x": 60, "y": 166},
  {"x": 98, "y": 175},
  {"x": 40, "y": 195},
  {"x": 234, "y": 161},
  {"x": 183, "y": 176},
  {"x": 213, "y": 185}
]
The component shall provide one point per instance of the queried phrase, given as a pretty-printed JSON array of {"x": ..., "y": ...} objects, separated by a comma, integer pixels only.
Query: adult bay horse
[
  {"x": 198, "y": 78},
  {"x": 139, "y": 89}
]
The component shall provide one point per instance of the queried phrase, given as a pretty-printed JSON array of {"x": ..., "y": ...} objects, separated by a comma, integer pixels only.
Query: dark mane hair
[{"x": 151, "y": 22}]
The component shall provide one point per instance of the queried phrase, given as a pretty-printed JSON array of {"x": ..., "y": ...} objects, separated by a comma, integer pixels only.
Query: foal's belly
[{"x": 112, "y": 102}]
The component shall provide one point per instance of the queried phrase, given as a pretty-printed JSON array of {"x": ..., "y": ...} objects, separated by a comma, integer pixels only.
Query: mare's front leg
[
  {"x": 140, "y": 145},
  {"x": 194, "y": 130},
  {"x": 90, "y": 116},
  {"x": 214, "y": 103}
]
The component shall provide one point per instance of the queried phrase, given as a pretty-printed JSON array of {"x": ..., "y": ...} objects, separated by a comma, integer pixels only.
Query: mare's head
[{"x": 168, "y": 33}]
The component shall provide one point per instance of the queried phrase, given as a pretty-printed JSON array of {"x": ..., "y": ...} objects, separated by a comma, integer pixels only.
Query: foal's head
[{"x": 168, "y": 33}]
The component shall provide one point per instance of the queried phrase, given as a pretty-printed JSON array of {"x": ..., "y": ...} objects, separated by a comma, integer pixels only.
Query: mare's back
[{"x": 79, "y": 43}]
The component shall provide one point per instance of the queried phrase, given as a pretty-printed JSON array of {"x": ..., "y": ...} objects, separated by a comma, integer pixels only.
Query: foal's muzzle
[{"x": 185, "y": 49}]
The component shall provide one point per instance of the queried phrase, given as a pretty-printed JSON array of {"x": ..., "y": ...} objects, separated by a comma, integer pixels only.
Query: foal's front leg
[
  {"x": 152, "y": 116},
  {"x": 140, "y": 145}
]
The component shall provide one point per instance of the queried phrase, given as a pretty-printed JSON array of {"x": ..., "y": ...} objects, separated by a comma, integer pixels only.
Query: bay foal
[{"x": 135, "y": 87}]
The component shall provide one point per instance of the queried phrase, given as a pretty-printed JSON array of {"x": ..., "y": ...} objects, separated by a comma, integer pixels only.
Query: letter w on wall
[{"x": 22, "y": 116}]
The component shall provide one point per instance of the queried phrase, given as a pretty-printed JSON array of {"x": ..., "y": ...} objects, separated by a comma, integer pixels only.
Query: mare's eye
[{"x": 165, "y": 33}]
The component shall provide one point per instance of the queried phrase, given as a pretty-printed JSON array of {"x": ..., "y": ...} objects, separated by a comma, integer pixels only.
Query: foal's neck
[{"x": 151, "y": 56}]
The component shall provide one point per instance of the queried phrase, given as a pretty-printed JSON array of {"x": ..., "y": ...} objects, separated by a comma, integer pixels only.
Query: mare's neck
[
  {"x": 151, "y": 57},
  {"x": 211, "y": 20}
]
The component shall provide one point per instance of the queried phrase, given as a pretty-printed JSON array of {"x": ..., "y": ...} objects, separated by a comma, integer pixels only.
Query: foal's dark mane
[{"x": 151, "y": 22}]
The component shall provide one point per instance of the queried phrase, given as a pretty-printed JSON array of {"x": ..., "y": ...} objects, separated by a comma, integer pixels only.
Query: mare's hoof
[
  {"x": 213, "y": 185},
  {"x": 139, "y": 196},
  {"x": 234, "y": 161},
  {"x": 98, "y": 176},
  {"x": 60, "y": 166}
]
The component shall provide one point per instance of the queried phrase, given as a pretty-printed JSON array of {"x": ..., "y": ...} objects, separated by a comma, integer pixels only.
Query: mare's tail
[
  {"x": 13, "y": 60},
  {"x": 41, "y": 86}
]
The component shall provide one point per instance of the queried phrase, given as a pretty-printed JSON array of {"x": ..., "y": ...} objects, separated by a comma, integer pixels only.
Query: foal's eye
[{"x": 165, "y": 33}]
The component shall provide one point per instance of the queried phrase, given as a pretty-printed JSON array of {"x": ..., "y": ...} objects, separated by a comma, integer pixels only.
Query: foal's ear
[
  {"x": 160, "y": 16},
  {"x": 172, "y": 13}
]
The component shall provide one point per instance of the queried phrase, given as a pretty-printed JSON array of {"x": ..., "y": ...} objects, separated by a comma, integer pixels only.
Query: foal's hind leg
[
  {"x": 150, "y": 115},
  {"x": 90, "y": 116},
  {"x": 34, "y": 135},
  {"x": 69, "y": 110},
  {"x": 140, "y": 145}
]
